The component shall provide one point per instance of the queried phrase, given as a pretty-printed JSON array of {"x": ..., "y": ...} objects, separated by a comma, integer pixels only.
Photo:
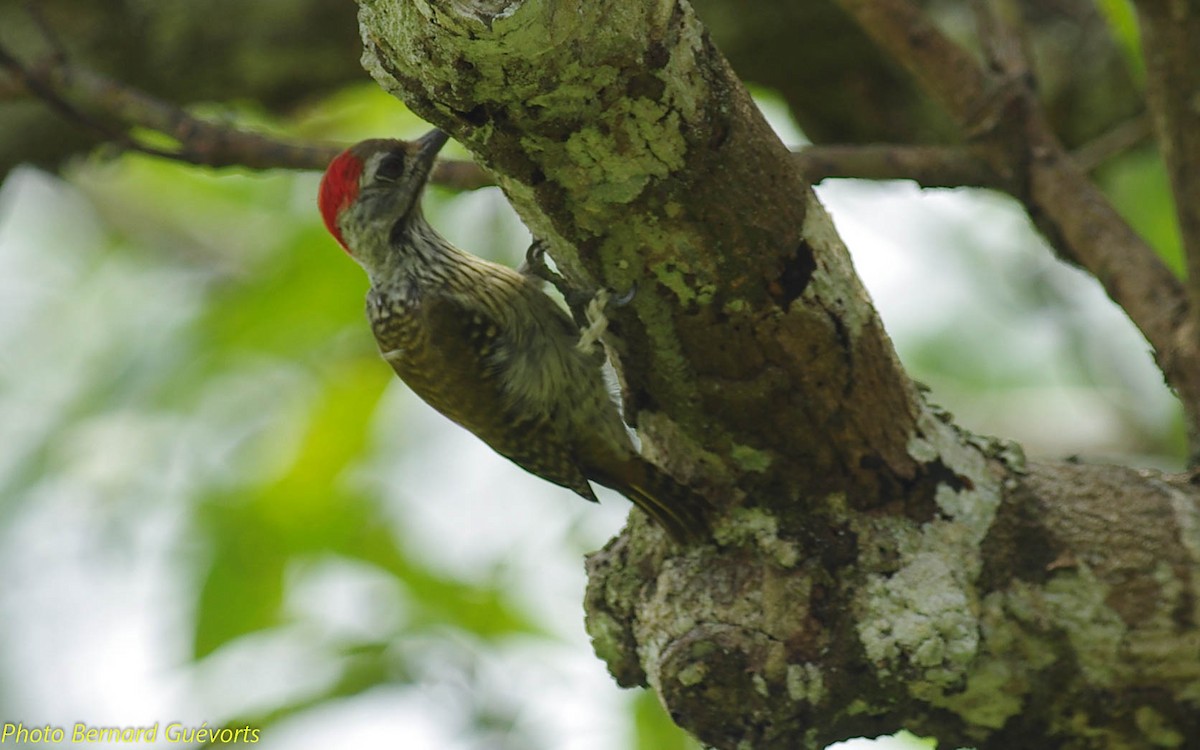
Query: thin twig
[
  {"x": 1075, "y": 216},
  {"x": 929, "y": 166},
  {"x": 1124, "y": 136},
  {"x": 1169, "y": 43},
  {"x": 110, "y": 109},
  {"x": 58, "y": 51},
  {"x": 39, "y": 87}
]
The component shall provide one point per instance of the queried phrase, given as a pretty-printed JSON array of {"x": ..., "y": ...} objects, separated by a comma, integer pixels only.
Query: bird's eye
[{"x": 391, "y": 166}]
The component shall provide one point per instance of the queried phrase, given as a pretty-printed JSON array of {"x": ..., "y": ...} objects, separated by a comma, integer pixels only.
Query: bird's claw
[
  {"x": 625, "y": 298},
  {"x": 535, "y": 261},
  {"x": 595, "y": 315},
  {"x": 587, "y": 308},
  {"x": 535, "y": 265}
]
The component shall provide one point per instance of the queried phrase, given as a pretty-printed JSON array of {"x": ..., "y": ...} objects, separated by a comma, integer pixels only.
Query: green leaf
[
  {"x": 1138, "y": 186},
  {"x": 297, "y": 303},
  {"x": 358, "y": 112},
  {"x": 256, "y": 531},
  {"x": 654, "y": 729},
  {"x": 1122, "y": 21},
  {"x": 243, "y": 589},
  {"x": 306, "y": 510}
]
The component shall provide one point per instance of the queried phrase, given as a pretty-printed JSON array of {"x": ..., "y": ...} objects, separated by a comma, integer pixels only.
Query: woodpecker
[{"x": 483, "y": 343}]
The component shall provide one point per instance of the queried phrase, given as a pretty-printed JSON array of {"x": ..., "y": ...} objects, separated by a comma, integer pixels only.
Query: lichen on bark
[{"x": 872, "y": 565}]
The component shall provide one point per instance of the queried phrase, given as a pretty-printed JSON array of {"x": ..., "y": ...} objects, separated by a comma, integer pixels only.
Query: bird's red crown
[{"x": 339, "y": 188}]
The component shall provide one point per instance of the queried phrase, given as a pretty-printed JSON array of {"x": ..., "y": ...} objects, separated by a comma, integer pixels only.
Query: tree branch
[
  {"x": 948, "y": 166},
  {"x": 1170, "y": 31},
  {"x": 112, "y": 110},
  {"x": 1123, "y": 137},
  {"x": 929, "y": 166},
  {"x": 76, "y": 91},
  {"x": 875, "y": 566},
  {"x": 614, "y": 186},
  {"x": 1001, "y": 112}
]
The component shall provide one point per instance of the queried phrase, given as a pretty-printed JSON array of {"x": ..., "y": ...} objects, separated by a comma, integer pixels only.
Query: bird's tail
[{"x": 683, "y": 513}]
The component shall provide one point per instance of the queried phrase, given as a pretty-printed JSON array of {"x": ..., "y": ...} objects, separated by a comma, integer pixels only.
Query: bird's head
[{"x": 373, "y": 189}]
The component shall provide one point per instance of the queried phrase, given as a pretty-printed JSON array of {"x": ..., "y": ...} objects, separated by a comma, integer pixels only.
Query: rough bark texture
[
  {"x": 874, "y": 567},
  {"x": 1169, "y": 34},
  {"x": 749, "y": 334},
  {"x": 1050, "y": 609}
]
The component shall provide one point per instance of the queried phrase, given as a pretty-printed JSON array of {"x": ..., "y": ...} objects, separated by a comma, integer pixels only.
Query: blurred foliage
[
  {"x": 655, "y": 731},
  {"x": 1138, "y": 186},
  {"x": 272, "y": 388},
  {"x": 225, "y": 330},
  {"x": 1122, "y": 20}
]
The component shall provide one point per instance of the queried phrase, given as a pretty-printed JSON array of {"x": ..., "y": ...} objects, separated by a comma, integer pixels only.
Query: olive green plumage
[{"x": 482, "y": 343}]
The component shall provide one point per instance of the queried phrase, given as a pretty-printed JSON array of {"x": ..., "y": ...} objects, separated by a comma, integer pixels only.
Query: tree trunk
[{"x": 874, "y": 567}]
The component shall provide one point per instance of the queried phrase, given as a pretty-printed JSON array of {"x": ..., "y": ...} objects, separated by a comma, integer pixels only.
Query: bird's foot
[
  {"x": 587, "y": 308},
  {"x": 595, "y": 315},
  {"x": 535, "y": 261},
  {"x": 535, "y": 265}
]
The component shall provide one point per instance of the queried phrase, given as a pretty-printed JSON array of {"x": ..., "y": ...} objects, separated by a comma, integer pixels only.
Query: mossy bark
[{"x": 873, "y": 566}]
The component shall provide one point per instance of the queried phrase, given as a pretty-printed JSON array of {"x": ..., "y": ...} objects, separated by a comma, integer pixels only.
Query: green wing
[{"x": 462, "y": 364}]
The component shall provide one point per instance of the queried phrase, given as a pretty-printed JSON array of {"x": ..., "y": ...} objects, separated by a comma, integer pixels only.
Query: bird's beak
[{"x": 428, "y": 147}]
